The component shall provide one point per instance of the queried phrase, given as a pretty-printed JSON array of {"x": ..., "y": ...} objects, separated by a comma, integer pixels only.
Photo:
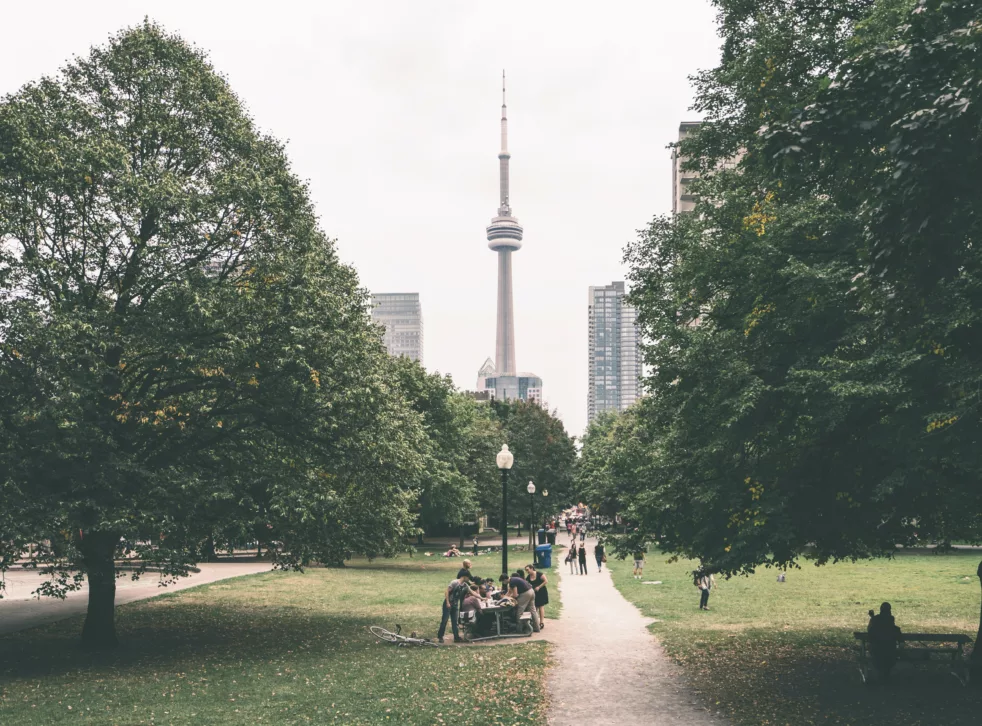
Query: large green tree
[
  {"x": 462, "y": 440},
  {"x": 544, "y": 454},
  {"x": 811, "y": 325},
  {"x": 182, "y": 352}
]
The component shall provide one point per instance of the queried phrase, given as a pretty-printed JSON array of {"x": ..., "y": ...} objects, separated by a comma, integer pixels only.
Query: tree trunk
[
  {"x": 98, "y": 553},
  {"x": 975, "y": 664}
]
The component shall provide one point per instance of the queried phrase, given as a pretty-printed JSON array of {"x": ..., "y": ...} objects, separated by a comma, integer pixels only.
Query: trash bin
[
  {"x": 551, "y": 536},
  {"x": 543, "y": 556},
  {"x": 542, "y": 536}
]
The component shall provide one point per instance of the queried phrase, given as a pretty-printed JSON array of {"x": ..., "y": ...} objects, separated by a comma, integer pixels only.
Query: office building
[
  {"x": 401, "y": 315},
  {"x": 615, "y": 356}
]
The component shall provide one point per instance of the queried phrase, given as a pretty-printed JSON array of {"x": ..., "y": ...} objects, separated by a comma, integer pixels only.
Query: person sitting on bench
[{"x": 884, "y": 636}]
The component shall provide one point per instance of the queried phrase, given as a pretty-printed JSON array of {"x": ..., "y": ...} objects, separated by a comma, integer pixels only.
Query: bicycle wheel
[{"x": 383, "y": 634}]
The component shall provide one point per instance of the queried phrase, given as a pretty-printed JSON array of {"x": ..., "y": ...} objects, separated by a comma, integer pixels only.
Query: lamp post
[
  {"x": 504, "y": 459},
  {"x": 531, "y": 490}
]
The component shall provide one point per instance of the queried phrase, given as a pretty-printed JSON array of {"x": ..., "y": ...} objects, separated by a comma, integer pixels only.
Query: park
[{"x": 224, "y": 501}]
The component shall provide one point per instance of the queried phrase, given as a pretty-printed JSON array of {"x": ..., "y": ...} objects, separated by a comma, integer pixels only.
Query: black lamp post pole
[
  {"x": 532, "y": 521},
  {"x": 504, "y": 521}
]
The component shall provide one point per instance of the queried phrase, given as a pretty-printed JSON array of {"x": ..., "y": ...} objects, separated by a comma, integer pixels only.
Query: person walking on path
[
  {"x": 538, "y": 582},
  {"x": 638, "y": 564},
  {"x": 581, "y": 557},
  {"x": 582, "y": 534},
  {"x": 456, "y": 591},
  {"x": 524, "y": 596},
  {"x": 571, "y": 558},
  {"x": 600, "y": 556},
  {"x": 705, "y": 582}
]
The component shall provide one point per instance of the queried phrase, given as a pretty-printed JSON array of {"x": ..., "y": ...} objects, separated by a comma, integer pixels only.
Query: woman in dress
[{"x": 538, "y": 582}]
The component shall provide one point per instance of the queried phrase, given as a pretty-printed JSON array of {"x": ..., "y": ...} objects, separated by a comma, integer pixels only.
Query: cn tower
[{"x": 505, "y": 237}]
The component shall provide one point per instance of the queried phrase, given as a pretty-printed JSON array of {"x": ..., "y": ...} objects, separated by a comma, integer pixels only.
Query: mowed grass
[
  {"x": 278, "y": 648},
  {"x": 783, "y": 653}
]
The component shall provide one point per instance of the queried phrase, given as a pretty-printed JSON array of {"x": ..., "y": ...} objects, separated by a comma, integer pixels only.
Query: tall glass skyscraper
[
  {"x": 402, "y": 316},
  {"x": 615, "y": 357}
]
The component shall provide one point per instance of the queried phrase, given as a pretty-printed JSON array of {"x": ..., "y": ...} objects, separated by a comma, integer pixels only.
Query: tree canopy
[
  {"x": 181, "y": 352},
  {"x": 812, "y": 326}
]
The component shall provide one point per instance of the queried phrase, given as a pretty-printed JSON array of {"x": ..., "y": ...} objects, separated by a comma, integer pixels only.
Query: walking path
[
  {"x": 608, "y": 668},
  {"x": 20, "y": 610}
]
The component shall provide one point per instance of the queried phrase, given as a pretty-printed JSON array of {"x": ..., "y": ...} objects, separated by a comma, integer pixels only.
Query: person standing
[
  {"x": 456, "y": 591},
  {"x": 571, "y": 558},
  {"x": 705, "y": 582},
  {"x": 524, "y": 596},
  {"x": 538, "y": 582},
  {"x": 581, "y": 557},
  {"x": 600, "y": 555},
  {"x": 638, "y": 563},
  {"x": 582, "y": 529},
  {"x": 475, "y": 544}
]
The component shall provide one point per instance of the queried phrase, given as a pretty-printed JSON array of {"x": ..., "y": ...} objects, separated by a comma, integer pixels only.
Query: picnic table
[
  {"x": 524, "y": 625},
  {"x": 953, "y": 646}
]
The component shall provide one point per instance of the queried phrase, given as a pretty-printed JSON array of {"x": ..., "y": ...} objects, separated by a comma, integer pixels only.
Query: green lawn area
[
  {"x": 278, "y": 648},
  {"x": 783, "y": 653}
]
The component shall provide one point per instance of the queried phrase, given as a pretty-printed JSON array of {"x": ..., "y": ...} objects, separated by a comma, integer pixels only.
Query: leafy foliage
[{"x": 183, "y": 356}]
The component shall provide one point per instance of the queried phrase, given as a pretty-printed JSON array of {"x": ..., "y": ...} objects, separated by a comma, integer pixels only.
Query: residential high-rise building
[
  {"x": 505, "y": 237},
  {"x": 402, "y": 316},
  {"x": 682, "y": 200},
  {"x": 615, "y": 357}
]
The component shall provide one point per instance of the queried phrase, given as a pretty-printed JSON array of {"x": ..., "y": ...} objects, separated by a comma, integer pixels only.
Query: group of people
[
  {"x": 576, "y": 557},
  {"x": 526, "y": 590}
]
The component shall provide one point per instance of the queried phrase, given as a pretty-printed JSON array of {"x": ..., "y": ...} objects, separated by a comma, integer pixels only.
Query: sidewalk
[
  {"x": 19, "y": 610},
  {"x": 609, "y": 670}
]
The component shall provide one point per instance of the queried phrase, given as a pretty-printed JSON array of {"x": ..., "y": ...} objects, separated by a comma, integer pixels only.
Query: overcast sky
[{"x": 390, "y": 110}]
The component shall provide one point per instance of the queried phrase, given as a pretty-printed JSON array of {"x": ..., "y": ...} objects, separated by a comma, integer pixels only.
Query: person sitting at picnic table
[
  {"x": 883, "y": 638},
  {"x": 521, "y": 591},
  {"x": 456, "y": 591}
]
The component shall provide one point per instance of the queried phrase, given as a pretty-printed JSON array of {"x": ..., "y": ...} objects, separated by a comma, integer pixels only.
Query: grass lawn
[
  {"x": 783, "y": 653},
  {"x": 278, "y": 648}
]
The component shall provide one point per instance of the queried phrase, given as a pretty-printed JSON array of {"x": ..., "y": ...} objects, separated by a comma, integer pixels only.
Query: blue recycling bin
[{"x": 543, "y": 556}]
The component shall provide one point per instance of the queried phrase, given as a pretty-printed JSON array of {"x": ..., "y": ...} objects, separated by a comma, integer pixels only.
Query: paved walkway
[
  {"x": 20, "y": 610},
  {"x": 608, "y": 668}
]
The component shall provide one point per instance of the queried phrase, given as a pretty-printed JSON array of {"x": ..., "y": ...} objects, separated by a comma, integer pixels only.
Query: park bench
[{"x": 951, "y": 646}]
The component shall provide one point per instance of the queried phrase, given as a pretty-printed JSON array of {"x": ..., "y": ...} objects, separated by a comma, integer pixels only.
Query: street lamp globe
[
  {"x": 530, "y": 488},
  {"x": 505, "y": 458}
]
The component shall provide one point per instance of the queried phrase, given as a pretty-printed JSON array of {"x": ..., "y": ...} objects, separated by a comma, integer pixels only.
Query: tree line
[
  {"x": 185, "y": 363},
  {"x": 814, "y": 326}
]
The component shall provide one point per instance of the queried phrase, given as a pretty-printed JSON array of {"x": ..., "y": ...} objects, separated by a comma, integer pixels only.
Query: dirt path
[
  {"x": 608, "y": 668},
  {"x": 19, "y": 610}
]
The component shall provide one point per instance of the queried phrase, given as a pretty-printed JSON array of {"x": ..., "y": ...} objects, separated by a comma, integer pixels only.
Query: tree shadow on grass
[
  {"x": 182, "y": 637},
  {"x": 812, "y": 679}
]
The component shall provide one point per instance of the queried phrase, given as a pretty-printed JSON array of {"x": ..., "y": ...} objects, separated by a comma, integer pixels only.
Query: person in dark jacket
[
  {"x": 884, "y": 635},
  {"x": 581, "y": 556},
  {"x": 600, "y": 554}
]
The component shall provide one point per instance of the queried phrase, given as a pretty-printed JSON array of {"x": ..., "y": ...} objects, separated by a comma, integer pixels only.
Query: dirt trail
[{"x": 608, "y": 668}]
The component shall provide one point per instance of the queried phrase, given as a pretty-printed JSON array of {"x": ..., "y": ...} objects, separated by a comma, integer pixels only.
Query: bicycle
[{"x": 397, "y": 637}]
